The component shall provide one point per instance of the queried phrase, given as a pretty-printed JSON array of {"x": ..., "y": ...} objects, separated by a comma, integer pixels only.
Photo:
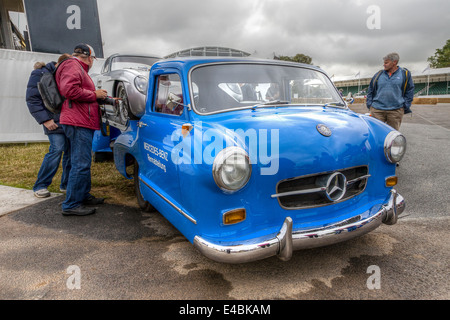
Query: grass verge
[{"x": 20, "y": 164}]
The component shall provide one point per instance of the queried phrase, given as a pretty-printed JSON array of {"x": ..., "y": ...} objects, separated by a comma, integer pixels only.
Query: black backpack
[{"x": 48, "y": 88}]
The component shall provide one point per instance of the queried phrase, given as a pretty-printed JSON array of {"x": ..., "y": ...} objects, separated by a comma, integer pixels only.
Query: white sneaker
[{"x": 43, "y": 193}]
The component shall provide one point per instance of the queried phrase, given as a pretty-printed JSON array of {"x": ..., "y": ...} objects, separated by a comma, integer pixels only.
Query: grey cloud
[{"x": 332, "y": 32}]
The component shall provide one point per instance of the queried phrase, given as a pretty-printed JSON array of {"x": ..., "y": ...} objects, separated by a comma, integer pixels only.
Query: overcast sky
[{"x": 343, "y": 37}]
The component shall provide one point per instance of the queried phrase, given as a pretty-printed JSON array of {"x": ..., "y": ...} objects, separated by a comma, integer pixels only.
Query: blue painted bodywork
[
  {"x": 102, "y": 142},
  {"x": 357, "y": 140}
]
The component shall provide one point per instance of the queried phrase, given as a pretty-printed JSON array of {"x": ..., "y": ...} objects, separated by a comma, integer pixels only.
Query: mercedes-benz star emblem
[
  {"x": 324, "y": 130},
  {"x": 336, "y": 187}
]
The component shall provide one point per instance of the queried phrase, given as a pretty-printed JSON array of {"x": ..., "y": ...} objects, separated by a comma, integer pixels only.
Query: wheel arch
[{"x": 125, "y": 153}]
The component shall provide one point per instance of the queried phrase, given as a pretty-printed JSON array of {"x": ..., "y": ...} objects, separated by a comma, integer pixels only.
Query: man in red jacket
[{"x": 80, "y": 117}]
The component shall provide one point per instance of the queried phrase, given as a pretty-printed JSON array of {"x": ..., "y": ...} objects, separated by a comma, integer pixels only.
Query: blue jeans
[
  {"x": 58, "y": 145},
  {"x": 79, "y": 184}
]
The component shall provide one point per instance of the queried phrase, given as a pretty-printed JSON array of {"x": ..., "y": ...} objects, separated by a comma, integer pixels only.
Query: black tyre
[
  {"x": 143, "y": 204},
  {"x": 124, "y": 106},
  {"x": 101, "y": 156}
]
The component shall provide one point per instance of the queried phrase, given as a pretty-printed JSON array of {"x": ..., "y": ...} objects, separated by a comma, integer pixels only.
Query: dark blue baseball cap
[{"x": 86, "y": 49}]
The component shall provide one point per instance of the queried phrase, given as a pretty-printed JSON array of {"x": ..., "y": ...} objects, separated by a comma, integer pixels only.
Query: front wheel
[
  {"x": 143, "y": 204},
  {"x": 124, "y": 110}
]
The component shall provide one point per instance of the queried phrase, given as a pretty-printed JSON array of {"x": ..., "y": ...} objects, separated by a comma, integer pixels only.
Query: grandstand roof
[
  {"x": 424, "y": 73},
  {"x": 427, "y": 82},
  {"x": 209, "y": 51},
  {"x": 436, "y": 71}
]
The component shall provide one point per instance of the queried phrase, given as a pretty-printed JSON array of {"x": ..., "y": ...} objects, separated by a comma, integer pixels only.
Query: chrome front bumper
[{"x": 287, "y": 240}]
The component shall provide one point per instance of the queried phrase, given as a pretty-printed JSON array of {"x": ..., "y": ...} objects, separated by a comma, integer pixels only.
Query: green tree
[
  {"x": 441, "y": 58},
  {"x": 299, "y": 57}
]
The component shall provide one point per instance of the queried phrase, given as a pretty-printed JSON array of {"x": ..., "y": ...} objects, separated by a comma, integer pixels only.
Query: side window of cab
[{"x": 169, "y": 95}]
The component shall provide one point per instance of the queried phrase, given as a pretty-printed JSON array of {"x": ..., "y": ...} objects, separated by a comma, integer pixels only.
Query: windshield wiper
[
  {"x": 270, "y": 103},
  {"x": 334, "y": 103}
]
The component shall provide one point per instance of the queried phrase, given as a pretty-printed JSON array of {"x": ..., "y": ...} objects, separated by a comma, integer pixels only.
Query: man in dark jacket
[
  {"x": 54, "y": 131},
  {"x": 80, "y": 117}
]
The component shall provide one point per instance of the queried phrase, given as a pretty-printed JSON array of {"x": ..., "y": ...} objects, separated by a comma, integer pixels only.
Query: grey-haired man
[{"x": 391, "y": 92}]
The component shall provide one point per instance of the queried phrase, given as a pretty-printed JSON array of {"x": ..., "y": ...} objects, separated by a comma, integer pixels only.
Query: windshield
[
  {"x": 131, "y": 62},
  {"x": 225, "y": 87}
]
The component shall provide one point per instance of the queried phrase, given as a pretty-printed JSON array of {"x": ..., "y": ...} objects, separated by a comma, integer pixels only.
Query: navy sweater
[{"x": 34, "y": 100}]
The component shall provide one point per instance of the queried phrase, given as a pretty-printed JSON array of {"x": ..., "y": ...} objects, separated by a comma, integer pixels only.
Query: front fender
[{"x": 126, "y": 149}]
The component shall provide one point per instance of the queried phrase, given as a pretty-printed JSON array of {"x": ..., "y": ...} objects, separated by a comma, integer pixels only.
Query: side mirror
[
  {"x": 349, "y": 100},
  {"x": 173, "y": 101}
]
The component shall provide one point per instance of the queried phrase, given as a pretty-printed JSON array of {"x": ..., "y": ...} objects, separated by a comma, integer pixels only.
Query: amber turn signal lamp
[
  {"x": 186, "y": 129},
  {"x": 391, "y": 181},
  {"x": 234, "y": 216}
]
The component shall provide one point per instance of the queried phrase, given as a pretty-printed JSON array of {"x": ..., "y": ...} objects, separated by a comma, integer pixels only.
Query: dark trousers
[
  {"x": 59, "y": 145},
  {"x": 79, "y": 183}
]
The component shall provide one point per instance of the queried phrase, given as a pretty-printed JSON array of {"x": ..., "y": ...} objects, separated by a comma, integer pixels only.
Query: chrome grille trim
[
  {"x": 293, "y": 193},
  {"x": 303, "y": 192}
]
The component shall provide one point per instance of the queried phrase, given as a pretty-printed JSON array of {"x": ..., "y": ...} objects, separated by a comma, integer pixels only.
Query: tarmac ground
[{"x": 121, "y": 253}]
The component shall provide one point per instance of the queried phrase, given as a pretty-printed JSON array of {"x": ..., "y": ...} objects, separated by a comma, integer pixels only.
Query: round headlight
[
  {"x": 394, "y": 146},
  {"x": 141, "y": 84},
  {"x": 232, "y": 169}
]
